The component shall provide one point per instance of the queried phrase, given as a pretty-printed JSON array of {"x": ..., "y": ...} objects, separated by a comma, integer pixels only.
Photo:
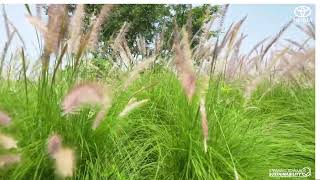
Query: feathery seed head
[
  {"x": 85, "y": 94},
  {"x": 9, "y": 159},
  {"x": 64, "y": 162},
  {"x": 94, "y": 35},
  {"x": 7, "y": 142},
  {"x": 54, "y": 144},
  {"x": 75, "y": 28},
  {"x": 204, "y": 123},
  {"x": 64, "y": 157},
  {"x": 183, "y": 61},
  {"x": 4, "y": 119},
  {"x": 132, "y": 104}
]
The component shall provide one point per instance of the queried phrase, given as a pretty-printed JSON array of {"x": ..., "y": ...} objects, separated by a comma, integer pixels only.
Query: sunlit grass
[{"x": 163, "y": 139}]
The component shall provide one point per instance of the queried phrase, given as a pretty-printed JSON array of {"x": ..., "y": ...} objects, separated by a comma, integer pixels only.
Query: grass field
[
  {"x": 163, "y": 139},
  {"x": 162, "y": 118}
]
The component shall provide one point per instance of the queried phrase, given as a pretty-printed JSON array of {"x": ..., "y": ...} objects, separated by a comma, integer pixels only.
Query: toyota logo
[{"x": 302, "y": 11}]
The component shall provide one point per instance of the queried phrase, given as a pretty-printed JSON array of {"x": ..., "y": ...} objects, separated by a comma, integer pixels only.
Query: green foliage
[
  {"x": 163, "y": 139},
  {"x": 149, "y": 20}
]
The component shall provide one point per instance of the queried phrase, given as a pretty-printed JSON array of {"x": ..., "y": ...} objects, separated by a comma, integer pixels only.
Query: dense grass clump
[{"x": 163, "y": 138}]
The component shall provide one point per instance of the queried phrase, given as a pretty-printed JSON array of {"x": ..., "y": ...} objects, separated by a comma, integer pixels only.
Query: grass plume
[{"x": 183, "y": 63}]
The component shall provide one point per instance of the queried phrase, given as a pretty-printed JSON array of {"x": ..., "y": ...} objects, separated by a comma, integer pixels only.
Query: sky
[
  {"x": 17, "y": 15},
  {"x": 262, "y": 21},
  {"x": 266, "y": 21}
]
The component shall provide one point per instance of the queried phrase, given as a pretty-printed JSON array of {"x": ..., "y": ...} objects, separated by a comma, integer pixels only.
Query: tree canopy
[{"x": 149, "y": 20}]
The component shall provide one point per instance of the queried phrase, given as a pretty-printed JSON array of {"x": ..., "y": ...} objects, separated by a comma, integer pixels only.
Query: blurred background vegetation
[{"x": 148, "y": 21}]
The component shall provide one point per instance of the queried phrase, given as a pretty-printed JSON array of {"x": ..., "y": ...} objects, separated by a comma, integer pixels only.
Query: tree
[{"x": 148, "y": 20}]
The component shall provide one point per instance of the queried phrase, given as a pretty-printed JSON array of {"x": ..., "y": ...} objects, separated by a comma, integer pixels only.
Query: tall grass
[{"x": 209, "y": 112}]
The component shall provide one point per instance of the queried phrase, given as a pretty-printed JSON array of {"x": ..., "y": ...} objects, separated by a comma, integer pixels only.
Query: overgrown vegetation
[{"x": 192, "y": 112}]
